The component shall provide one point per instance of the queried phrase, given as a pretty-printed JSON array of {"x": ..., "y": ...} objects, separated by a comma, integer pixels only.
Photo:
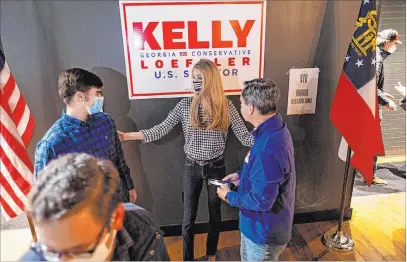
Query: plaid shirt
[
  {"x": 200, "y": 144},
  {"x": 97, "y": 136}
]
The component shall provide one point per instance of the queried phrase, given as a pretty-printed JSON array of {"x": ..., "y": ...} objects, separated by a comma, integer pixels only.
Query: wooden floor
[{"x": 378, "y": 228}]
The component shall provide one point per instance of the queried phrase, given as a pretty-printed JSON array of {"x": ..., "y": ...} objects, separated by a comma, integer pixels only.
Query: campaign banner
[{"x": 163, "y": 40}]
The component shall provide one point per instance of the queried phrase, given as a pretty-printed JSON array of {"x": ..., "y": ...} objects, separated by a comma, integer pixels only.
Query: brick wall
[{"x": 393, "y": 15}]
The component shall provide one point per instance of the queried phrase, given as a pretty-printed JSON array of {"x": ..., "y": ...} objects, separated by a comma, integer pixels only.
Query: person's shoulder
[
  {"x": 137, "y": 217},
  {"x": 54, "y": 135},
  {"x": 229, "y": 101},
  {"x": 32, "y": 255},
  {"x": 231, "y": 105},
  {"x": 103, "y": 116},
  {"x": 184, "y": 104},
  {"x": 263, "y": 150},
  {"x": 144, "y": 231},
  {"x": 271, "y": 144},
  {"x": 56, "y": 129},
  {"x": 185, "y": 101},
  {"x": 140, "y": 224},
  {"x": 129, "y": 207},
  {"x": 379, "y": 54}
]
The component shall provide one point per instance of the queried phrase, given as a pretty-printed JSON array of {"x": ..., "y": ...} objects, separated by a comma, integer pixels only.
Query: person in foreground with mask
[
  {"x": 386, "y": 44},
  {"x": 205, "y": 118},
  {"x": 84, "y": 128},
  {"x": 77, "y": 214}
]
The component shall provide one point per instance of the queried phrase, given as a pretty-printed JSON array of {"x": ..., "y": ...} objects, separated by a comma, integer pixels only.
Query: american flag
[
  {"x": 183, "y": 53},
  {"x": 354, "y": 110},
  {"x": 16, "y": 127}
]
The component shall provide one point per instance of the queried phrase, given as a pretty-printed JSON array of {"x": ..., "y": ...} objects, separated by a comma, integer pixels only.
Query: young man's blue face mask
[{"x": 97, "y": 105}]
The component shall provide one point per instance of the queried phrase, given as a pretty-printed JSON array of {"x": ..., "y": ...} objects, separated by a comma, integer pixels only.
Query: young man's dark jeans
[{"x": 194, "y": 177}]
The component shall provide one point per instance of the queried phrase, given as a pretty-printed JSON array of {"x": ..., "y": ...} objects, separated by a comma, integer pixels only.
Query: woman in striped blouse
[{"x": 205, "y": 119}]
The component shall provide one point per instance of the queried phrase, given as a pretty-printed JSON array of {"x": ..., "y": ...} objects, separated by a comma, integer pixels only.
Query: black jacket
[
  {"x": 140, "y": 239},
  {"x": 381, "y": 55}
]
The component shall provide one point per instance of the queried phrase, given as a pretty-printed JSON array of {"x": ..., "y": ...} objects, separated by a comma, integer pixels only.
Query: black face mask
[{"x": 197, "y": 86}]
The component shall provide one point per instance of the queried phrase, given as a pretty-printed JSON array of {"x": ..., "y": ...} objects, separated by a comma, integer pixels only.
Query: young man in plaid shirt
[{"x": 84, "y": 128}]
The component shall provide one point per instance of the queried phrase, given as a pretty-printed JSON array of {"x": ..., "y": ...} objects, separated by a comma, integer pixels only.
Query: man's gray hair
[
  {"x": 72, "y": 182},
  {"x": 263, "y": 94}
]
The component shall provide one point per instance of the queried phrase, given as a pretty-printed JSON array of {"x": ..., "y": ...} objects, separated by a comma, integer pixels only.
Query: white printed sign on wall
[{"x": 303, "y": 88}]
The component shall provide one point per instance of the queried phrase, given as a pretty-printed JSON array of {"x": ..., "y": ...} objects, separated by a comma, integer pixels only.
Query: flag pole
[
  {"x": 32, "y": 229},
  {"x": 337, "y": 240}
]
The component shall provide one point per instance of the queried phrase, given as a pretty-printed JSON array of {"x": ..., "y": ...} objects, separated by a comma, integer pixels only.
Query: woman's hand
[
  {"x": 122, "y": 136},
  {"x": 130, "y": 136}
]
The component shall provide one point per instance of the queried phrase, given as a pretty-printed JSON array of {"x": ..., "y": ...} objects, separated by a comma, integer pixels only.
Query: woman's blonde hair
[{"x": 212, "y": 98}]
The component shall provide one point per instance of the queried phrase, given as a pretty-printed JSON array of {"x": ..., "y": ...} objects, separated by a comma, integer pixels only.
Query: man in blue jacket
[{"x": 266, "y": 192}]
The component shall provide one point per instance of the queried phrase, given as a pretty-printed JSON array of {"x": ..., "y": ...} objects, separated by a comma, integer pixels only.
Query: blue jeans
[{"x": 250, "y": 251}]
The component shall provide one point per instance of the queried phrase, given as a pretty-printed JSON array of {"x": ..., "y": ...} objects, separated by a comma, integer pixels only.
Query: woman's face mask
[{"x": 197, "y": 81}]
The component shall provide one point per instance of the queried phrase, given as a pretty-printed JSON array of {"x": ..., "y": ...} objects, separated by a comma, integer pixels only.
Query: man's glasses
[{"x": 50, "y": 255}]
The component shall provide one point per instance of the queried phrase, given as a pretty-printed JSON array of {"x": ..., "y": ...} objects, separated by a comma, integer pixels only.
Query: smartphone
[{"x": 216, "y": 182}]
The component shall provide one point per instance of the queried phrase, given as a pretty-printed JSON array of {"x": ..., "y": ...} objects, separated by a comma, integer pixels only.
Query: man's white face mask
[{"x": 392, "y": 49}]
